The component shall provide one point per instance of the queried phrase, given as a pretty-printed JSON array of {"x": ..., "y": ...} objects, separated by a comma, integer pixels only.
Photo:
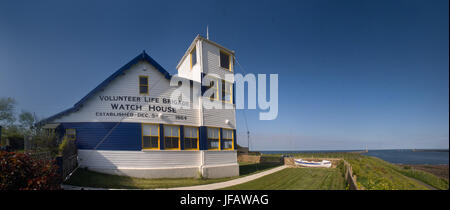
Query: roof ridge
[{"x": 141, "y": 57}]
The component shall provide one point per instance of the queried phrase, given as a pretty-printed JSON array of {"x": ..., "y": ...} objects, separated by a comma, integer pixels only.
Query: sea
[{"x": 397, "y": 156}]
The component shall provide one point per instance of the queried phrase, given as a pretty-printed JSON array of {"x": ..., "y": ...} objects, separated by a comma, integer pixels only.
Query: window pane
[
  {"x": 190, "y": 143},
  {"x": 143, "y": 81},
  {"x": 170, "y": 130},
  {"x": 213, "y": 144},
  {"x": 154, "y": 142},
  {"x": 224, "y": 60},
  {"x": 227, "y": 134},
  {"x": 146, "y": 142},
  {"x": 190, "y": 132},
  {"x": 150, "y": 130},
  {"x": 187, "y": 132},
  {"x": 226, "y": 91},
  {"x": 143, "y": 89},
  {"x": 213, "y": 133},
  {"x": 227, "y": 98},
  {"x": 150, "y": 142},
  {"x": 167, "y": 131},
  {"x": 187, "y": 144},
  {"x": 227, "y": 144},
  {"x": 194, "y": 56},
  {"x": 171, "y": 142}
]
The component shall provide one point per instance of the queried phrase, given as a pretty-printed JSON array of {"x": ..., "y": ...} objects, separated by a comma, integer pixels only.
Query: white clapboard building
[{"x": 129, "y": 125}]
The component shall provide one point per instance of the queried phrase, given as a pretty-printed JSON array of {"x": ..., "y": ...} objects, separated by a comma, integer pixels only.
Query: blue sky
[{"x": 351, "y": 73}]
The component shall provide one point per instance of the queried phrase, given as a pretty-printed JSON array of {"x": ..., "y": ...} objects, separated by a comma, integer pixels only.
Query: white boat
[{"x": 322, "y": 164}]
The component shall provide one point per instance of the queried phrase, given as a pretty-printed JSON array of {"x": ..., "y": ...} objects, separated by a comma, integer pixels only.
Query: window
[
  {"x": 171, "y": 137},
  {"x": 190, "y": 138},
  {"x": 214, "y": 138},
  {"x": 227, "y": 91},
  {"x": 225, "y": 61},
  {"x": 150, "y": 136},
  {"x": 71, "y": 134},
  {"x": 193, "y": 57},
  {"x": 227, "y": 139},
  {"x": 143, "y": 84},
  {"x": 214, "y": 83}
]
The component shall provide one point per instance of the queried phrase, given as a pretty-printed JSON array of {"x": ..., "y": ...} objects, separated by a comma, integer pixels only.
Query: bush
[
  {"x": 67, "y": 147},
  {"x": 21, "y": 172},
  {"x": 45, "y": 142}
]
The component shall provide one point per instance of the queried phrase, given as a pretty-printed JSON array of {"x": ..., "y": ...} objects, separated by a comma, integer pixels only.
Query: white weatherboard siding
[
  {"x": 211, "y": 65},
  {"x": 127, "y": 85},
  {"x": 113, "y": 159},
  {"x": 158, "y": 164},
  {"x": 217, "y": 117},
  {"x": 185, "y": 70},
  {"x": 212, "y": 158},
  {"x": 211, "y": 61}
]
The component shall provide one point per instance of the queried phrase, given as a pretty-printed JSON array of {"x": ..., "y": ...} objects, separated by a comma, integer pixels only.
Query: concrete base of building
[
  {"x": 152, "y": 173},
  {"x": 220, "y": 171}
]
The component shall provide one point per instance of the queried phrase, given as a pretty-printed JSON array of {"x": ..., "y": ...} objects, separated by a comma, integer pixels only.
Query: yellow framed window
[
  {"x": 150, "y": 136},
  {"x": 225, "y": 60},
  {"x": 227, "y": 91},
  {"x": 227, "y": 139},
  {"x": 171, "y": 137},
  {"x": 213, "y": 138},
  {"x": 191, "y": 141},
  {"x": 193, "y": 57},
  {"x": 71, "y": 134},
  {"x": 143, "y": 85}
]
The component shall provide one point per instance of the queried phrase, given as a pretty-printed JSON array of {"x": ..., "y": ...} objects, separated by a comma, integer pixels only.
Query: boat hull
[{"x": 323, "y": 164}]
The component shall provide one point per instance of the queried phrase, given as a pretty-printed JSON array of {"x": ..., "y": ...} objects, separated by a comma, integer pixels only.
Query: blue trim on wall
[
  {"x": 161, "y": 136},
  {"x": 203, "y": 137},
  {"x": 234, "y": 93},
  {"x": 181, "y": 137},
  {"x": 126, "y": 136},
  {"x": 221, "y": 137}
]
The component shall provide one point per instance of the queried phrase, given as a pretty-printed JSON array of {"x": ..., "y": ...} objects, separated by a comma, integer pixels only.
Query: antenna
[{"x": 207, "y": 33}]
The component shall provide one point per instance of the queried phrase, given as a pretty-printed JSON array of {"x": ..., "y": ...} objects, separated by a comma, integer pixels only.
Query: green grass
[
  {"x": 297, "y": 179},
  {"x": 252, "y": 168},
  {"x": 86, "y": 178},
  {"x": 375, "y": 174},
  {"x": 428, "y": 178}
]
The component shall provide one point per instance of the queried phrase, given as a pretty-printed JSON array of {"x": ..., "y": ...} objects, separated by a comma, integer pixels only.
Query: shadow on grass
[{"x": 250, "y": 168}]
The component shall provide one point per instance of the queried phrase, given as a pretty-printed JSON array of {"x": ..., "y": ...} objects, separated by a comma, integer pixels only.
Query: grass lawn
[
  {"x": 86, "y": 178},
  {"x": 297, "y": 179},
  {"x": 376, "y": 174}
]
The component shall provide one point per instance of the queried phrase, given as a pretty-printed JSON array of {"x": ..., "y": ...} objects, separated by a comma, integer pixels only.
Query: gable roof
[{"x": 141, "y": 57}]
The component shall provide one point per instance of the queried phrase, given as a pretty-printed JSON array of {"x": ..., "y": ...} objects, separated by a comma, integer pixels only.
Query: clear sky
[{"x": 351, "y": 73}]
